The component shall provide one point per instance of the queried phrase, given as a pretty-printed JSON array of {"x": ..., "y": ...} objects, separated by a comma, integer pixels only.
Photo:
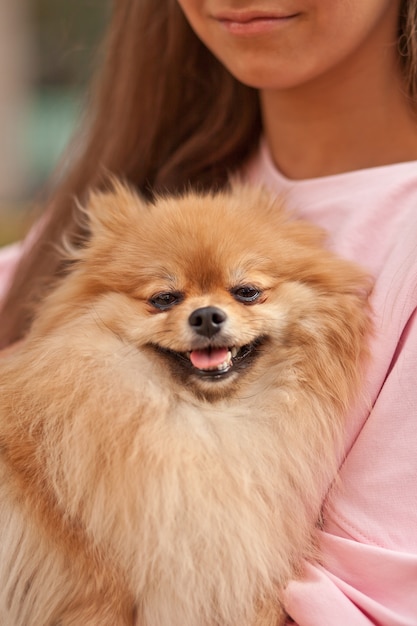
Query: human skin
[{"x": 331, "y": 89}]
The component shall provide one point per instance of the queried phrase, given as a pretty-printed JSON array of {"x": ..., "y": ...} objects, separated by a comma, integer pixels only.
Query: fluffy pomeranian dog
[{"x": 171, "y": 424}]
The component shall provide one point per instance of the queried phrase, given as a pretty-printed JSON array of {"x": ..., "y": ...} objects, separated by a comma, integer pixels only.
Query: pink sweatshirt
[
  {"x": 9, "y": 257},
  {"x": 369, "y": 541}
]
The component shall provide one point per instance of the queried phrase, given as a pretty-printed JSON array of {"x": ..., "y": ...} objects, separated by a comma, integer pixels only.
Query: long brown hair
[
  {"x": 164, "y": 114},
  {"x": 407, "y": 43}
]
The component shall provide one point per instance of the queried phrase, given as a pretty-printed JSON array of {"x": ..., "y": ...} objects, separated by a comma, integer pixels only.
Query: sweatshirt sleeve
[
  {"x": 9, "y": 258},
  {"x": 368, "y": 571},
  {"x": 360, "y": 585}
]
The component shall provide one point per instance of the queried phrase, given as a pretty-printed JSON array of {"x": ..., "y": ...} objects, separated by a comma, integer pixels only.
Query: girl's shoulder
[{"x": 9, "y": 258}]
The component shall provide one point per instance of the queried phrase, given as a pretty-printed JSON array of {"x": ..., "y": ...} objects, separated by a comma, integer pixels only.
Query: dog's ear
[{"x": 114, "y": 209}]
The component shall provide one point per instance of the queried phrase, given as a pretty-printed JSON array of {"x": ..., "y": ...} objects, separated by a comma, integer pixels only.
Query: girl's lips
[{"x": 252, "y": 22}]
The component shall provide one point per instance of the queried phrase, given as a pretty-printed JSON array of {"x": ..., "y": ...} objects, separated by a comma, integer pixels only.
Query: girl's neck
[{"x": 355, "y": 118}]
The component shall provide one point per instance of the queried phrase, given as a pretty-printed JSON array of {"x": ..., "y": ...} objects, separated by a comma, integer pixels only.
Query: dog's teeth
[
  {"x": 233, "y": 351},
  {"x": 226, "y": 363}
]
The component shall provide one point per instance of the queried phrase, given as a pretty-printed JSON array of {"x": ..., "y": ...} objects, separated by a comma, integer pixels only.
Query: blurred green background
[{"x": 48, "y": 49}]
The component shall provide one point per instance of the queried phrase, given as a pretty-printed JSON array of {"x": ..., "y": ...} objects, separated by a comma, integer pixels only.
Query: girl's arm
[{"x": 9, "y": 257}]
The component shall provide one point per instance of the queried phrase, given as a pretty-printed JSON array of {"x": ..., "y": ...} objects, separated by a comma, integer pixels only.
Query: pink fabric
[
  {"x": 369, "y": 542},
  {"x": 9, "y": 257}
]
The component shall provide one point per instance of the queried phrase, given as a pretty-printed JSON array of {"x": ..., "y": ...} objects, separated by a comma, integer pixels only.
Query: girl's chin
[{"x": 266, "y": 77}]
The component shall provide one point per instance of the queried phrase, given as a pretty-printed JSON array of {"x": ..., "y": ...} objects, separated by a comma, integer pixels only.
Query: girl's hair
[
  {"x": 164, "y": 115},
  {"x": 407, "y": 42}
]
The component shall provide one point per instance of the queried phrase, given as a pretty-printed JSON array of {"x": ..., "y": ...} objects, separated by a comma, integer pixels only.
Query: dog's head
[{"x": 210, "y": 285}]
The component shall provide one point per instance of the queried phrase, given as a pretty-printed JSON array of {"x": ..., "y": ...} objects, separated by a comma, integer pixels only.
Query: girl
[{"x": 315, "y": 99}]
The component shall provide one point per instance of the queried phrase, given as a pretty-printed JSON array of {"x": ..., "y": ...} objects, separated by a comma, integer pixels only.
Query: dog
[{"x": 172, "y": 422}]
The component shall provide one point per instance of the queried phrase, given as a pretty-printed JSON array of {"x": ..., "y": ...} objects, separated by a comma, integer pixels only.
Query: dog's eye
[
  {"x": 166, "y": 300},
  {"x": 246, "y": 294}
]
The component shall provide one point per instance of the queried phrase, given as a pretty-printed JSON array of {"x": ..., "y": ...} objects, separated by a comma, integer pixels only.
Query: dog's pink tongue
[{"x": 206, "y": 359}]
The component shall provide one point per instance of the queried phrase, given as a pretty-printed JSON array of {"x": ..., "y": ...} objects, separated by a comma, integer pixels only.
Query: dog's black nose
[{"x": 207, "y": 321}]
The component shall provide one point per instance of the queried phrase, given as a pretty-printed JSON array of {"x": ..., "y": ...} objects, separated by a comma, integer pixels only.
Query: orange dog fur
[{"x": 171, "y": 424}]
